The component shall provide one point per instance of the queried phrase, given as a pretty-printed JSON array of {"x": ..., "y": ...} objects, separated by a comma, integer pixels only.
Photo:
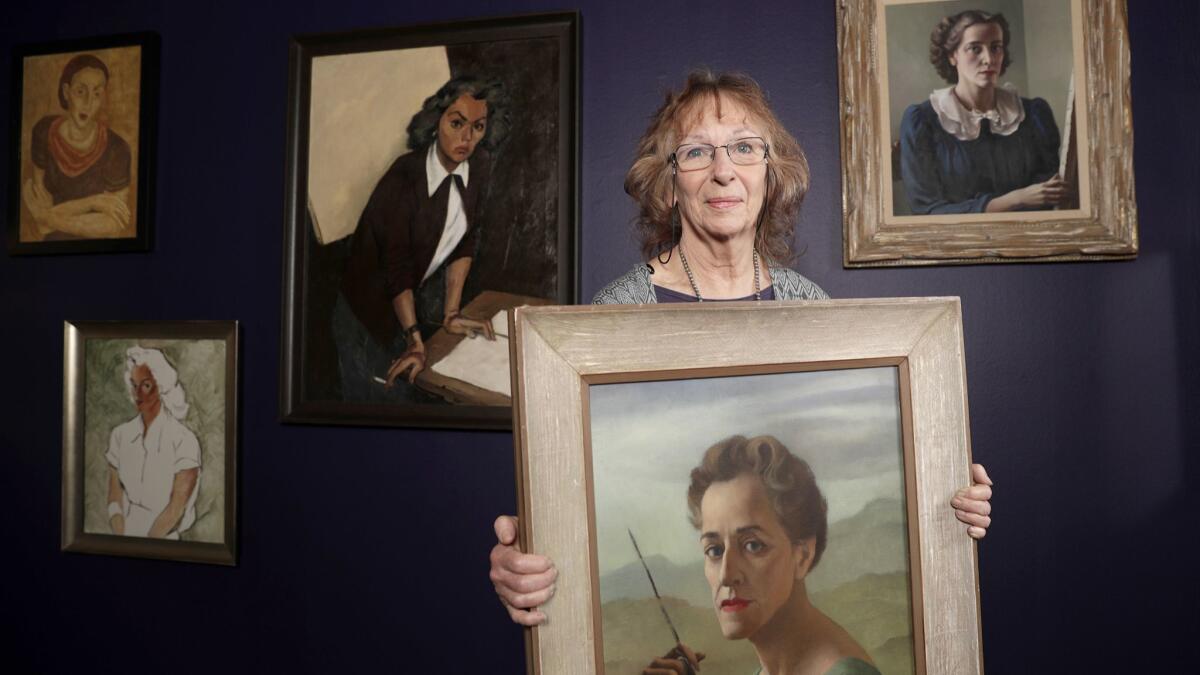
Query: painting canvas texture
[
  {"x": 79, "y": 143},
  {"x": 646, "y": 437},
  {"x": 360, "y": 159},
  {"x": 200, "y": 365},
  {"x": 1026, "y": 141}
]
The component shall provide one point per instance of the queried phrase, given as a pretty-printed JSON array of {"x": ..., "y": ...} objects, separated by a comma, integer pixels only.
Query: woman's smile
[{"x": 724, "y": 202}]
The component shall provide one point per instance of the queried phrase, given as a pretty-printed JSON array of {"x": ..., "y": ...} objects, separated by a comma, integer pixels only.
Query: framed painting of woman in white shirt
[
  {"x": 149, "y": 452},
  {"x": 431, "y": 188},
  {"x": 982, "y": 129}
]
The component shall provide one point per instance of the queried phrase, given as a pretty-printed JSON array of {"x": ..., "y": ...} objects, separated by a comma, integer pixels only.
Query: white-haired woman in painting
[
  {"x": 81, "y": 167},
  {"x": 153, "y": 459},
  {"x": 763, "y": 526}
]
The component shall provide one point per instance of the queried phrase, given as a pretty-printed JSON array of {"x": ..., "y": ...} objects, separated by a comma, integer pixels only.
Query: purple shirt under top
[{"x": 664, "y": 295}]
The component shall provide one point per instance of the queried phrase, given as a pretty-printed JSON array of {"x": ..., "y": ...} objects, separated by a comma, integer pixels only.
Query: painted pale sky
[{"x": 647, "y": 437}]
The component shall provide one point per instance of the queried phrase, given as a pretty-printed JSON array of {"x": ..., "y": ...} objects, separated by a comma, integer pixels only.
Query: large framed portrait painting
[
  {"x": 986, "y": 131},
  {"x": 741, "y": 495},
  {"x": 150, "y": 439},
  {"x": 84, "y": 116},
  {"x": 431, "y": 188}
]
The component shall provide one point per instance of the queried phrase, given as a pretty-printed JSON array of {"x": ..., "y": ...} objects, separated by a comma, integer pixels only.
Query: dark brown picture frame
[
  {"x": 78, "y": 400},
  {"x": 311, "y": 383},
  {"x": 140, "y": 201}
]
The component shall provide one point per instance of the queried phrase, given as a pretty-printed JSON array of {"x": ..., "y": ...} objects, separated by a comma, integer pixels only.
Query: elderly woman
[
  {"x": 719, "y": 182},
  {"x": 416, "y": 238},
  {"x": 81, "y": 168},
  {"x": 763, "y": 529},
  {"x": 153, "y": 459},
  {"x": 976, "y": 147}
]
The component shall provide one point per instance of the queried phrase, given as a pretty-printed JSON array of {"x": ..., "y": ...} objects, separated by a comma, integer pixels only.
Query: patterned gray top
[{"x": 635, "y": 287}]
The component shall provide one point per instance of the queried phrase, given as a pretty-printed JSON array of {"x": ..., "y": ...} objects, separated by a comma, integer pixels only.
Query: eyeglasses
[{"x": 696, "y": 156}]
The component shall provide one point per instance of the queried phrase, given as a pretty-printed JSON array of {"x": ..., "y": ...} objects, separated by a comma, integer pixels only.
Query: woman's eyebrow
[
  {"x": 741, "y": 530},
  {"x": 466, "y": 119},
  {"x": 735, "y": 135}
]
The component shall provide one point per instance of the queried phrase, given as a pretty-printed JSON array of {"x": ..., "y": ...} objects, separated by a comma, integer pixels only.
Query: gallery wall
[{"x": 365, "y": 550}]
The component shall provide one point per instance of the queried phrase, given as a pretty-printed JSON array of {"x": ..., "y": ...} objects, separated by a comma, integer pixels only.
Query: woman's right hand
[
  {"x": 1037, "y": 196},
  {"x": 412, "y": 361},
  {"x": 523, "y": 581},
  {"x": 679, "y": 661},
  {"x": 112, "y": 206}
]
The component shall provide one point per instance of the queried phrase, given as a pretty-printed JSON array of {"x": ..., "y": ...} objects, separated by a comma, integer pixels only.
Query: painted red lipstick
[{"x": 734, "y": 604}]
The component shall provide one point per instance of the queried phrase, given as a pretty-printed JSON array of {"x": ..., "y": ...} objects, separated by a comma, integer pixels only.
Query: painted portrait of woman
[
  {"x": 770, "y": 515},
  {"x": 156, "y": 446},
  {"x": 417, "y": 238},
  {"x": 82, "y": 167},
  {"x": 763, "y": 529},
  {"x": 978, "y": 146}
]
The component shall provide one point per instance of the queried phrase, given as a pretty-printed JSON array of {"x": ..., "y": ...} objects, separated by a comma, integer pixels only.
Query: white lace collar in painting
[{"x": 964, "y": 124}]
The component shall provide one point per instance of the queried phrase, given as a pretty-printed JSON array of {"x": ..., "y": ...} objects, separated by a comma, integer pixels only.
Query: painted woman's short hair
[
  {"x": 789, "y": 481},
  {"x": 422, "y": 128},
  {"x": 73, "y": 66},
  {"x": 649, "y": 180},
  {"x": 947, "y": 36}
]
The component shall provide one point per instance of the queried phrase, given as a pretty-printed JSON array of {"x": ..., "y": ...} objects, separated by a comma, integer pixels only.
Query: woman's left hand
[
  {"x": 972, "y": 505},
  {"x": 461, "y": 325}
]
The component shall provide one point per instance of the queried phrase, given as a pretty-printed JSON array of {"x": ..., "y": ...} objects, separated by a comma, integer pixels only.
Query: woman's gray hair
[
  {"x": 422, "y": 129},
  {"x": 170, "y": 391}
]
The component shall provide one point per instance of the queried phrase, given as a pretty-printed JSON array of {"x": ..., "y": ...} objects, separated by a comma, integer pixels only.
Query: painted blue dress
[{"x": 943, "y": 174}]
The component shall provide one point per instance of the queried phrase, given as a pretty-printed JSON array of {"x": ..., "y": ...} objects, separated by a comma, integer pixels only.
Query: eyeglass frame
[{"x": 712, "y": 157}]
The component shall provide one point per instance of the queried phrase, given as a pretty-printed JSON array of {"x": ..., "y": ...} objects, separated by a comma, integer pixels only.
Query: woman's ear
[{"x": 803, "y": 552}]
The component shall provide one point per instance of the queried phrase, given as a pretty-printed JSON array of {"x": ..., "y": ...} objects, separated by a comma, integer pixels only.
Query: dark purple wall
[{"x": 365, "y": 550}]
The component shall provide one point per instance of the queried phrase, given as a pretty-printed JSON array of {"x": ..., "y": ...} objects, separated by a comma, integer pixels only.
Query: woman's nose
[
  {"x": 722, "y": 166},
  {"x": 730, "y": 571}
]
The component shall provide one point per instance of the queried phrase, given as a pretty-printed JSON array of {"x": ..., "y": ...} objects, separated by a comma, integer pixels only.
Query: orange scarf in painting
[{"x": 70, "y": 161}]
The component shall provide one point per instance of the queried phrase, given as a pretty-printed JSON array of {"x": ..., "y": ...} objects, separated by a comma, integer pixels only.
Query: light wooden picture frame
[
  {"x": 566, "y": 357},
  {"x": 901, "y": 189}
]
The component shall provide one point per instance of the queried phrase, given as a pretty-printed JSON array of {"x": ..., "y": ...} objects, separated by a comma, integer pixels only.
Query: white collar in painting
[
  {"x": 435, "y": 173},
  {"x": 964, "y": 124}
]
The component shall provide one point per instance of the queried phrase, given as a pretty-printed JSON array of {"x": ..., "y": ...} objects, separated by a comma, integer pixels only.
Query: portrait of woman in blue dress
[{"x": 977, "y": 146}]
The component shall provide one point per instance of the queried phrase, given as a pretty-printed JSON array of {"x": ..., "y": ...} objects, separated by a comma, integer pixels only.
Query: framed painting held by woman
[
  {"x": 981, "y": 131},
  {"x": 84, "y": 127},
  {"x": 766, "y": 491},
  {"x": 431, "y": 180}
]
